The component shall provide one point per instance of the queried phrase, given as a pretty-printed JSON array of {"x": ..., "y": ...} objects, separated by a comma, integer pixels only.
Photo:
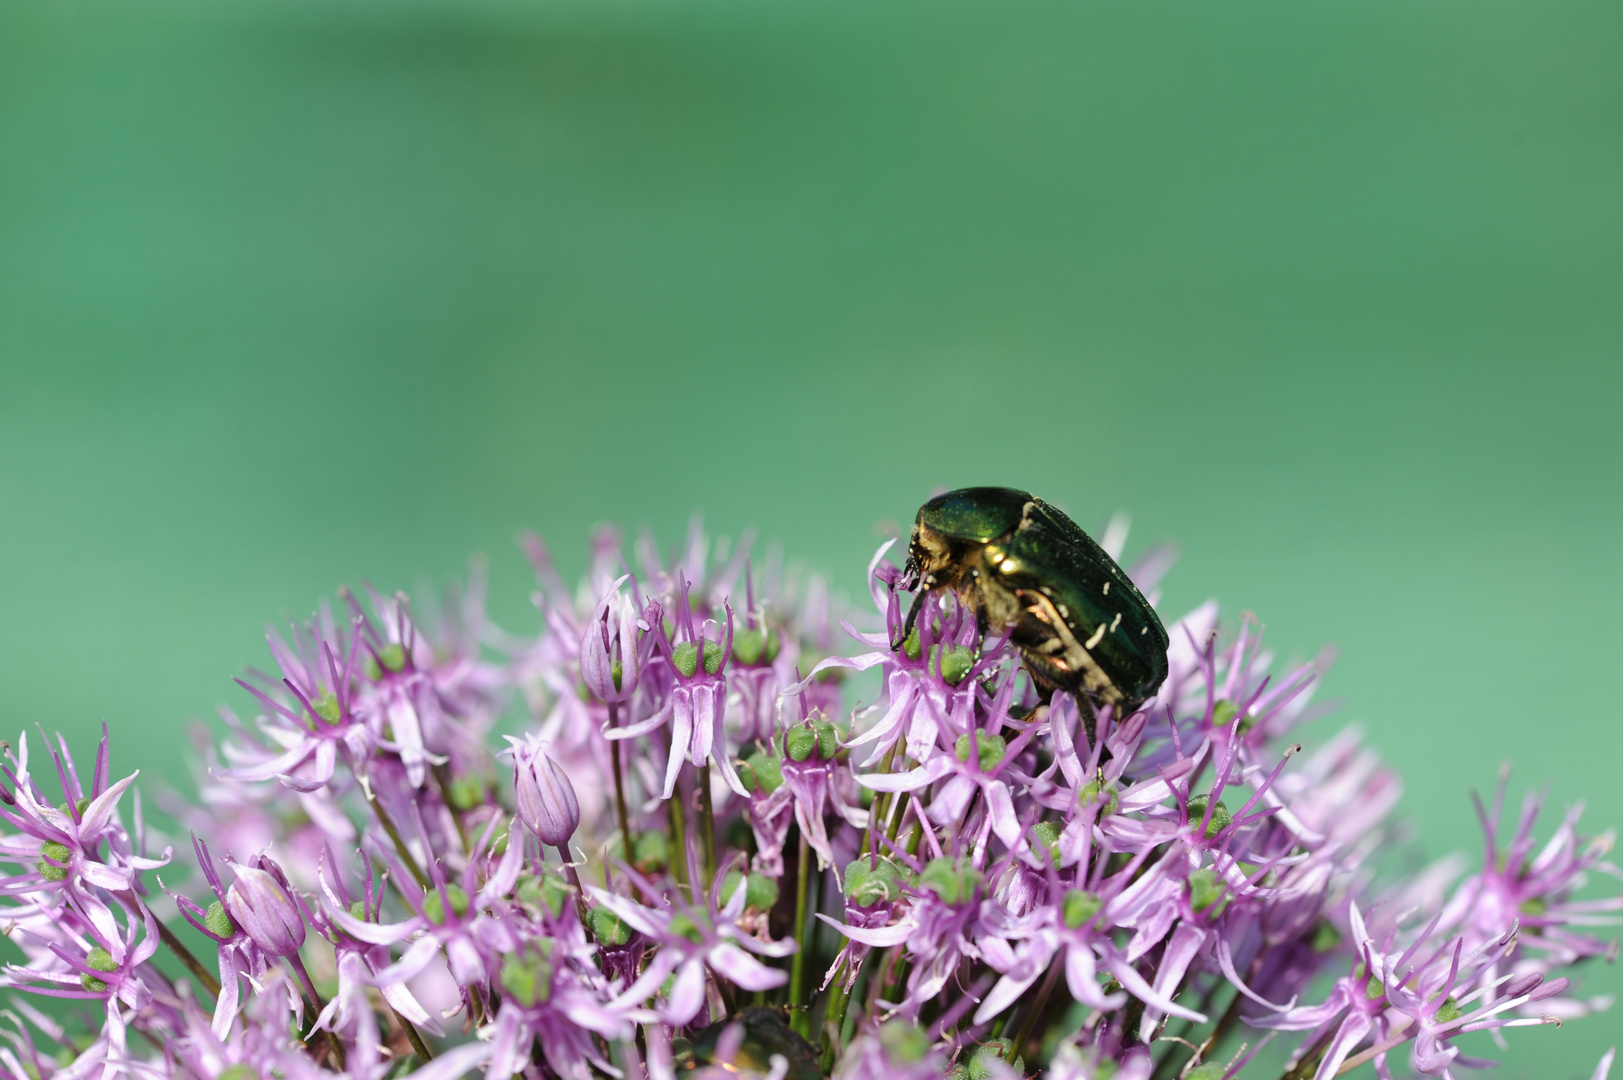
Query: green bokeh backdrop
[{"x": 296, "y": 294}]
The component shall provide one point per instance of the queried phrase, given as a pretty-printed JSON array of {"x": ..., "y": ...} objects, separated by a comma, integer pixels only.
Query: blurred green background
[{"x": 295, "y": 294}]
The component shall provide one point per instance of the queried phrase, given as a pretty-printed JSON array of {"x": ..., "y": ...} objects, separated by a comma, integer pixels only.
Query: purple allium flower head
[
  {"x": 1169, "y": 881},
  {"x": 546, "y": 799}
]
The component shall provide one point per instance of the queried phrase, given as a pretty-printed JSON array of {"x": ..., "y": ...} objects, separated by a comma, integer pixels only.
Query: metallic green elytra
[
  {"x": 1023, "y": 567},
  {"x": 765, "y": 1034}
]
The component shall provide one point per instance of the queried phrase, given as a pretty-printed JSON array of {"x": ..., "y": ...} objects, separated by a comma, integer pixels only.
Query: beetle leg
[
  {"x": 1090, "y": 718},
  {"x": 912, "y": 617}
]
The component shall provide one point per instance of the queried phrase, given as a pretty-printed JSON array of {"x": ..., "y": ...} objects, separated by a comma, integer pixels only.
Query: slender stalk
[
  {"x": 1403, "y": 1036},
  {"x": 1167, "y": 1066},
  {"x": 799, "y": 1016},
  {"x": 580, "y": 893},
  {"x": 413, "y": 1036},
  {"x": 879, "y": 974},
  {"x": 707, "y": 826},
  {"x": 679, "y": 836},
  {"x": 442, "y": 778},
  {"x": 619, "y": 787},
  {"x": 1038, "y": 1004},
  {"x": 1224, "y": 1024},
  {"x": 898, "y": 812},
  {"x": 184, "y": 955},
  {"x": 835, "y": 1023},
  {"x": 315, "y": 1003},
  {"x": 881, "y": 802},
  {"x": 394, "y": 834},
  {"x": 898, "y": 979},
  {"x": 1309, "y": 1062}
]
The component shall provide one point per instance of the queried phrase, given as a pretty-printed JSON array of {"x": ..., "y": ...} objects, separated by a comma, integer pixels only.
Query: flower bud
[
  {"x": 1205, "y": 888},
  {"x": 1220, "y": 814},
  {"x": 101, "y": 960},
  {"x": 954, "y": 881},
  {"x": 608, "y": 649},
  {"x": 1079, "y": 907},
  {"x": 989, "y": 749},
  {"x": 608, "y": 928},
  {"x": 869, "y": 882},
  {"x": 259, "y": 904},
  {"x": 527, "y": 976},
  {"x": 1045, "y": 838},
  {"x": 760, "y": 891},
  {"x": 546, "y": 799}
]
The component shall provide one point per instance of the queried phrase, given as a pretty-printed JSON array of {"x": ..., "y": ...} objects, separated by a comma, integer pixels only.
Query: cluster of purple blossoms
[{"x": 699, "y": 854}]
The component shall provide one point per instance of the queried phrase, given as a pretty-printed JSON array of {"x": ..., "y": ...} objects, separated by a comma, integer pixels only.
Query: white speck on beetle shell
[
  {"x": 1116, "y": 621},
  {"x": 1008, "y": 566},
  {"x": 1094, "y": 640},
  {"x": 1107, "y": 588}
]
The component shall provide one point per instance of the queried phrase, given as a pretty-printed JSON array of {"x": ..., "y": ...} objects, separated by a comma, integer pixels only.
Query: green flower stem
[
  {"x": 202, "y": 974},
  {"x": 897, "y": 814},
  {"x": 1403, "y": 1035},
  {"x": 1035, "y": 1010},
  {"x": 878, "y": 974},
  {"x": 707, "y": 826},
  {"x": 580, "y": 893},
  {"x": 881, "y": 802},
  {"x": 413, "y": 1036},
  {"x": 835, "y": 1022},
  {"x": 442, "y": 779},
  {"x": 619, "y": 787},
  {"x": 679, "y": 837},
  {"x": 1168, "y": 1066},
  {"x": 394, "y": 835},
  {"x": 314, "y": 1002},
  {"x": 799, "y": 1015}
]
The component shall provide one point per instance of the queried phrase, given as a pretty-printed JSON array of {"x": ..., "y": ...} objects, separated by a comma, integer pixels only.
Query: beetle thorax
[{"x": 940, "y": 561}]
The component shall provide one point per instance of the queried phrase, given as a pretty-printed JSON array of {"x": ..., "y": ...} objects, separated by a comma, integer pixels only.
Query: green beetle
[{"x": 1023, "y": 567}]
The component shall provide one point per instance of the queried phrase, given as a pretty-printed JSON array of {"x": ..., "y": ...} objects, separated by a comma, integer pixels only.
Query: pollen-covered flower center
[
  {"x": 683, "y": 926},
  {"x": 685, "y": 658},
  {"x": 434, "y": 904},
  {"x": 953, "y": 881},
  {"x": 101, "y": 960},
  {"x": 1045, "y": 837},
  {"x": 608, "y": 928},
  {"x": 528, "y": 976},
  {"x": 52, "y": 853},
  {"x": 990, "y": 749},
  {"x": 954, "y": 662},
  {"x": 1079, "y": 906},
  {"x": 761, "y": 772},
  {"x": 218, "y": 922},
  {"x": 818, "y": 737},
  {"x": 869, "y": 882},
  {"x": 753, "y": 647},
  {"x": 326, "y": 706},
  {"x": 1220, "y": 814}
]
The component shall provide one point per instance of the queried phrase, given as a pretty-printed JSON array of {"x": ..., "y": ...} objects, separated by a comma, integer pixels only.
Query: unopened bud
[
  {"x": 260, "y": 904},
  {"x": 546, "y": 799},
  {"x": 608, "y": 649}
]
